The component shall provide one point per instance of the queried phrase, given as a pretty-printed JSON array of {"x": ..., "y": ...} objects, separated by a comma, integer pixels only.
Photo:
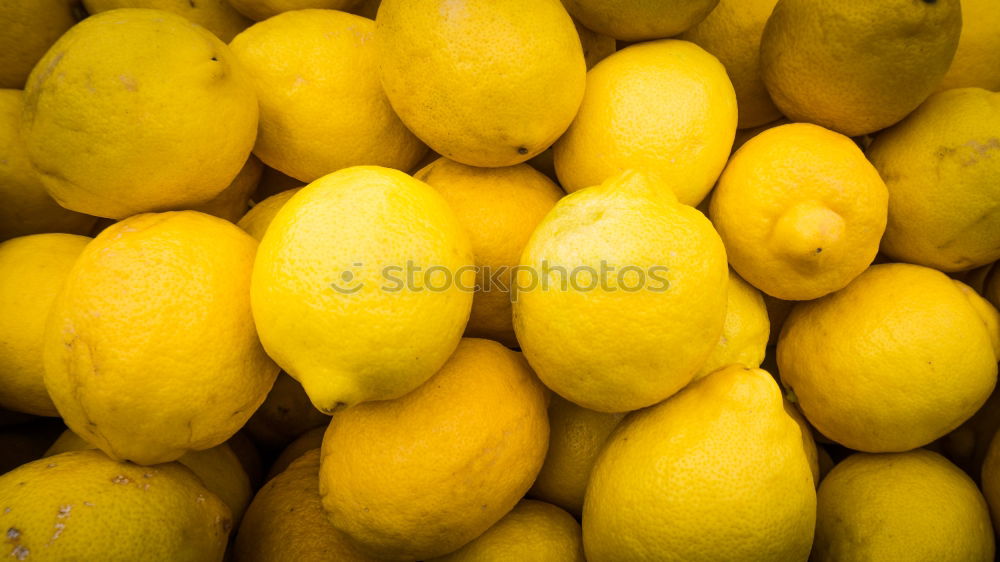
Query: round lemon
[
  {"x": 150, "y": 349},
  {"x": 638, "y": 20},
  {"x": 663, "y": 107},
  {"x": 481, "y": 82},
  {"x": 82, "y": 505},
  {"x": 232, "y": 203},
  {"x": 285, "y": 414},
  {"x": 259, "y": 217},
  {"x": 445, "y": 471},
  {"x": 575, "y": 439},
  {"x": 801, "y": 211},
  {"x": 138, "y": 110},
  {"x": 717, "y": 472},
  {"x": 362, "y": 286},
  {"x": 217, "y": 16},
  {"x": 264, "y": 9},
  {"x": 499, "y": 209},
  {"x": 745, "y": 332},
  {"x": 901, "y": 506},
  {"x": 895, "y": 360},
  {"x": 622, "y": 294},
  {"x": 732, "y": 33},
  {"x": 533, "y": 530},
  {"x": 29, "y": 29},
  {"x": 25, "y": 207},
  {"x": 321, "y": 105},
  {"x": 32, "y": 272},
  {"x": 286, "y": 521},
  {"x": 857, "y": 67},
  {"x": 977, "y": 60},
  {"x": 967, "y": 446},
  {"x": 940, "y": 165}
]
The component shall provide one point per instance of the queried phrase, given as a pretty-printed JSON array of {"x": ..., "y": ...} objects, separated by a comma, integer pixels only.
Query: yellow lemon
[
  {"x": 801, "y": 211},
  {"x": 483, "y": 83},
  {"x": 25, "y": 207},
  {"x": 622, "y": 294},
  {"x": 217, "y": 16},
  {"x": 264, "y": 9},
  {"x": 820, "y": 66},
  {"x": 977, "y": 60},
  {"x": 745, "y": 332},
  {"x": 138, "y": 110},
  {"x": 285, "y": 414},
  {"x": 808, "y": 442},
  {"x": 82, "y": 505},
  {"x": 446, "y": 472},
  {"x": 32, "y": 272},
  {"x": 941, "y": 164},
  {"x": 218, "y": 468},
  {"x": 321, "y": 105},
  {"x": 311, "y": 439},
  {"x": 663, "y": 107},
  {"x": 901, "y": 506},
  {"x": 362, "y": 286},
  {"x": 150, "y": 349},
  {"x": 259, "y": 217},
  {"x": 499, "y": 209},
  {"x": 717, "y": 472},
  {"x": 232, "y": 203},
  {"x": 575, "y": 439},
  {"x": 967, "y": 446},
  {"x": 732, "y": 33},
  {"x": 532, "y": 531},
  {"x": 29, "y": 29},
  {"x": 895, "y": 360},
  {"x": 638, "y": 20},
  {"x": 286, "y": 521}
]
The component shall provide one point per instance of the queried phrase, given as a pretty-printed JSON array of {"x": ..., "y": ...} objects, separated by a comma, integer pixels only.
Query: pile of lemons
[{"x": 488, "y": 280}]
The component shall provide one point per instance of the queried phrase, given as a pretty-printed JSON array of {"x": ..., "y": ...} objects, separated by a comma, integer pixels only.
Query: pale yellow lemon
[
  {"x": 32, "y": 272},
  {"x": 801, "y": 211},
  {"x": 977, "y": 60},
  {"x": 745, "y": 332},
  {"x": 895, "y": 360},
  {"x": 499, "y": 209},
  {"x": 138, "y": 110},
  {"x": 29, "y": 29},
  {"x": 217, "y": 16},
  {"x": 663, "y": 107},
  {"x": 454, "y": 456},
  {"x": 717, "y": 472},
  {"x": 622, "y": 294},
  {"x": 150, "y": 349},
  {"x": 639, "y": 20},
  {"x": 322, "y": 107},
  {"x": 483, "y": 83},
  {"x": 264, "y": 9}
]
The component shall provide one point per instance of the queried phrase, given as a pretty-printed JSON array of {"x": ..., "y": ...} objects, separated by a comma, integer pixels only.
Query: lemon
[
  {"x": 895, "y": 360},
  {"x": 232, "y": 203},
  {"x": 533, "y": 530},
  {"x": 941, "y": 165},
  {"x": 81, "y": 505},
  {"x": 285, "y": 414},
  {"x": 150, "y": 349},
  {"x": 258, "y": 218},
  {"x": 967, "y": 446},
  {"x": 286, "y": 521},
  {"x": 990, "y": 476},
  {"x": 321, "y": 105},
  {"x": 218, "y": 468},
  {"x": 977, "y": 60},
  {"x": 745, "y": 332},
  {"x": 362, "y": 286},
  {"x": 801, "y": 211},
  {"x": 481, "y": 82},
  {"x": 29, "y": 29},
  {"x": 143, "y": 95},
  {"x": 264, "y": 9},
  {"x": 596, "y": 47},
  {"x": 217, "y": 16},
  {"x": 808, "y": 442},
  {"x": 576, "y": 437},
  {"x": 732, "y": 33},
  {"x": 623, "y": 294},
  {"x": 716, "y": 472},
  {"x": 311, "y": 439},
  {"x": 663, "y": 107},
  {"x": 32, "y": 272},
  {"x": 857, "y": 67},
  {"x": 25, "y": 207},
  {"x": 638, "y": 20},
  {"x": 902, "y": 506},
  {"x": 446, "y": 472},
  {"x": 499, "y": 209}
]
